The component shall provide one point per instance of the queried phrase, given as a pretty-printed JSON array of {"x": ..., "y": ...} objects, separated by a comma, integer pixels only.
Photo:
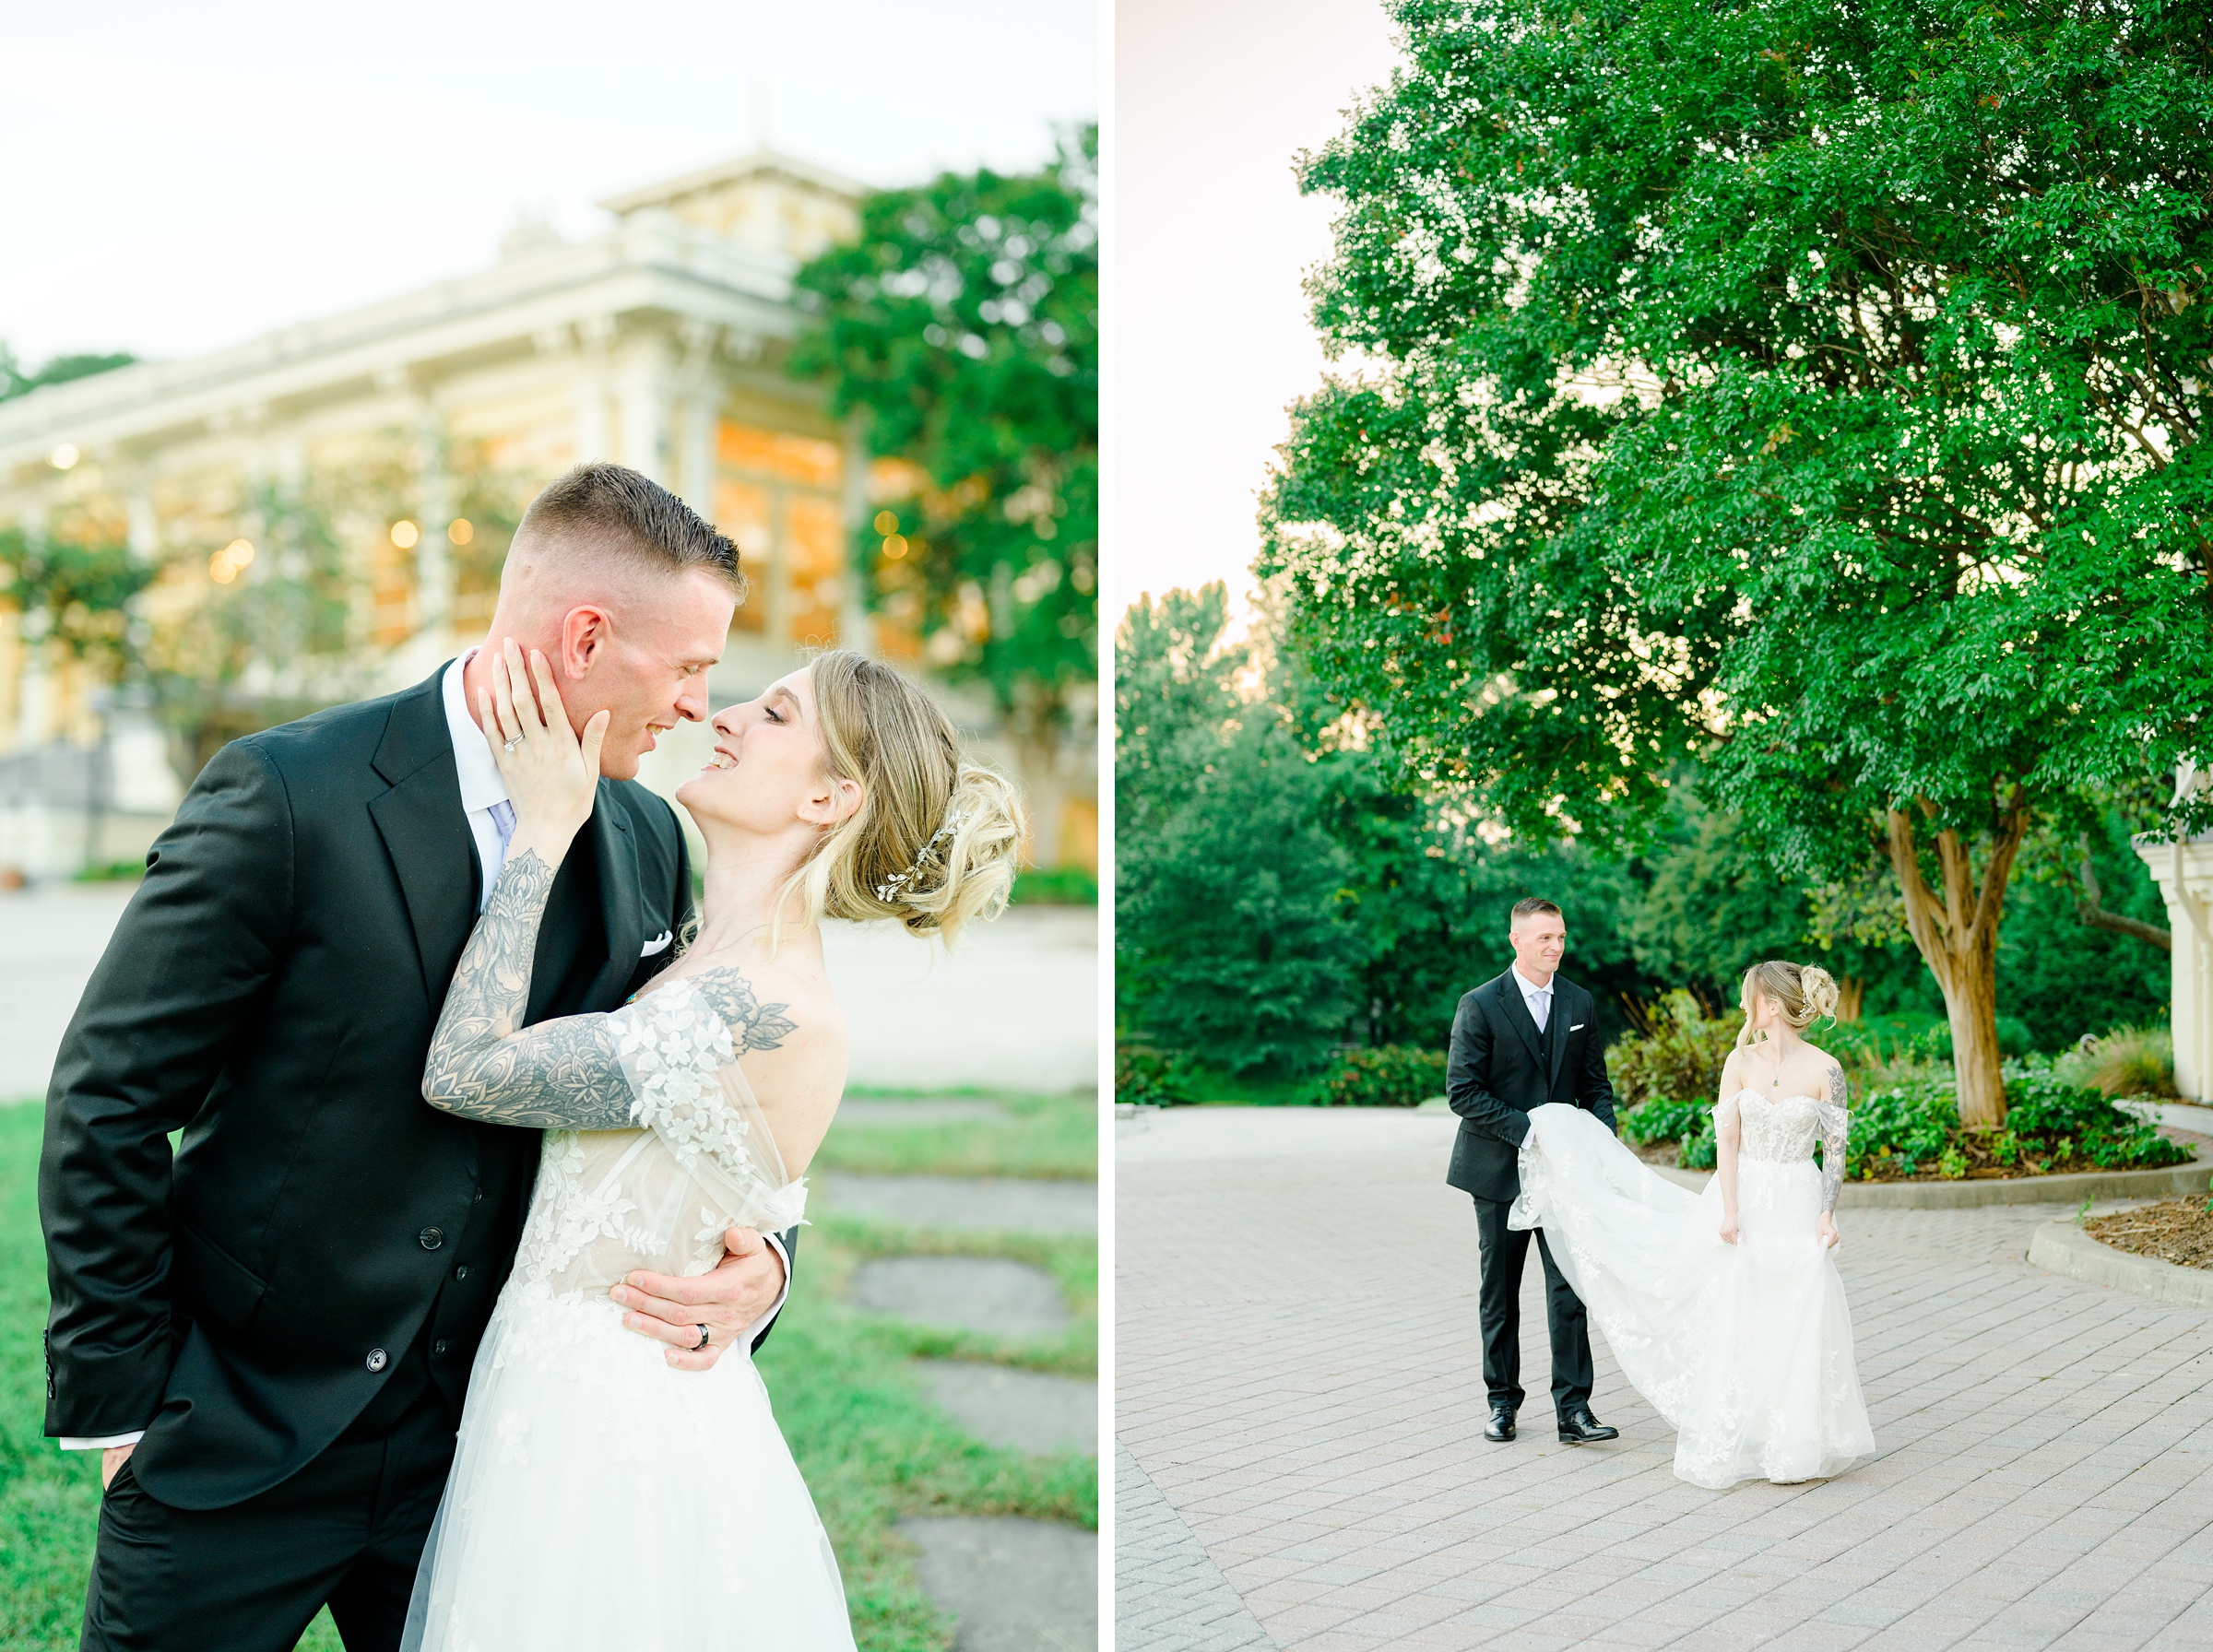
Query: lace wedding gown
[
  {"x": 599, "y": 1497},
  {"x": 1745, "y": 1349}
]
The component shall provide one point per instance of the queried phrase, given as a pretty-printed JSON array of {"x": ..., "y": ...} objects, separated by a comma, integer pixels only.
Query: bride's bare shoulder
[{"x": 1827, "y": 1073}]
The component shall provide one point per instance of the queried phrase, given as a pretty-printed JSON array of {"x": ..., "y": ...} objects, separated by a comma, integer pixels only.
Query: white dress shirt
[
  {"x": 1538, "y": 998},
  {"x": 483, "y": 788},
  {"x": 491, "y": 825}
]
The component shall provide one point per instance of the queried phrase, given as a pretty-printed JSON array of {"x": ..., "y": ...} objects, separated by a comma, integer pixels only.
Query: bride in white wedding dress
[
  {"x": 583, "y": 1448},
  {"x": 1723, "y": 1308}
]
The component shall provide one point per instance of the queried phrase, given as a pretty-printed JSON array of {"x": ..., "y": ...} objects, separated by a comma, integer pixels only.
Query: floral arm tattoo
[
  {"x": 560, "y": 1075},
  {"x": 1836, "y": 1132},
  {"x": 753, "y": 1026}
]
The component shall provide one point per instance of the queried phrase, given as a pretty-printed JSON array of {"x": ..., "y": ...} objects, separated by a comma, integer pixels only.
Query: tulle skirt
[
  {"x": 1744, "y": 1348},
  {"x": 601, "y": 1499}
]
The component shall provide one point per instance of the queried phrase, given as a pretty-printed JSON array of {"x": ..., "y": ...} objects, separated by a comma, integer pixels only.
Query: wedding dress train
[
  {"x": 599, "y": 1497},
  {"x": 1744, "y": 1348}
]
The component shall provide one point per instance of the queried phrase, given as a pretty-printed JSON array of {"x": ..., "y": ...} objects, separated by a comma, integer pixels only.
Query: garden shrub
[
  {"x": 1392, "y": 1075},
  {"x": 2126, "y": 1061},
  {"x": 1677, "y": 1052},
  {"x": 1159, "y": 1078},
  {"x": 1689, "y": 1123},
  {"x": 1662, "y": 1121}
]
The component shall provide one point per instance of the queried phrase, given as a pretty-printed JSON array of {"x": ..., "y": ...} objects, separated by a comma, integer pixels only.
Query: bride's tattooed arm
[
  {"x": 561, "y": 1074},
  {"x": 1836, "y": 1131}
]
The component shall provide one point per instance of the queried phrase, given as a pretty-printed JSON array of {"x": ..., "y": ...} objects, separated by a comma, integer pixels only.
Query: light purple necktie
[{"x": 503, "y": 822}]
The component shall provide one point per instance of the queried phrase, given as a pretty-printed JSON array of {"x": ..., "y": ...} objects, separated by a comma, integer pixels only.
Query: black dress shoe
[
  {"x": 1502, "y": 1425},
  {"x": 1581, "y": 1428}
]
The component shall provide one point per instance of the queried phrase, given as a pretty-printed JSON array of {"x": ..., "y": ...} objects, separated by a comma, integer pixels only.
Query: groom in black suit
[
  {"x": 1519, "y": 1041},
  {"x": 268, "y": 1329}
]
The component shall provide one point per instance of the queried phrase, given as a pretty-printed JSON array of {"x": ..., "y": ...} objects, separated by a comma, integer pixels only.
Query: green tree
[
  {"x": 72, "y": 594},
  {"x": 1228, "y": 941},
  {"x": 1809, "y": 392},
  {"x": 2064, "y": 977},
  {"x": 962, "y": 329},
  {"x": 15, "y": 381},
  {"x": 275, "y": 640}
]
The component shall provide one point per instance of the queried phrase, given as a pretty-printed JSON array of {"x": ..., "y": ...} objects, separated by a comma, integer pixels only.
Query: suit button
[
  {"x": 439, "y": 1346},
  {"x": 432, "y": 1238},
  {"x": 378, "y": 1358},
  {"x": 477, "y": 1198},
  {"x": 461, "y": 1272}
]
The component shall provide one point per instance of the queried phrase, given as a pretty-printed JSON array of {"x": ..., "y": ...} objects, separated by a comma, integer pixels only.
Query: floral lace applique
[{"x": 674, "y": 1049}]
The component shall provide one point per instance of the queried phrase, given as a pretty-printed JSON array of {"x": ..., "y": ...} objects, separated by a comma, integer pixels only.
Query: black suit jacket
[
  {"x": 271, "y": 991},
  {"x": 1501, "y": 1066}
]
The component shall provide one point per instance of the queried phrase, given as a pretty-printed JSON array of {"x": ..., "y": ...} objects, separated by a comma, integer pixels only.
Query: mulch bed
[{"x": 2175, "y": 1229}]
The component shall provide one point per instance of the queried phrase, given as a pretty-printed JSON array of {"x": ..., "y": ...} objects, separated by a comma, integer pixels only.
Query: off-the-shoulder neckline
[{"x": 1746, "y": 1089}]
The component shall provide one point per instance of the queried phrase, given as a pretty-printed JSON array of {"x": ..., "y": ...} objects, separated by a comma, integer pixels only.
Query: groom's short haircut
[
  {"x": 618, "y": 512},
  {"x": 1532, "y": 906}
]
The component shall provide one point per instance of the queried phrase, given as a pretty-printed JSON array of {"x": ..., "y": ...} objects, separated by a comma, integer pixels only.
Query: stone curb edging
[
  {"x": 2061, "y": 1247},
  {"x": 2173, "y": 1181}
]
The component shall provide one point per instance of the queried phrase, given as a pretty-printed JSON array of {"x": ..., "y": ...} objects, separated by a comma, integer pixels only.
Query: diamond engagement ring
[{"x": 512, "y": 744}]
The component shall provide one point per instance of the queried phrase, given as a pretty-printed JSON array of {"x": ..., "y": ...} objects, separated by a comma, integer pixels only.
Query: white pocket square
[
  {"x": 1578, "y": 1026},
  {"x": 659, "y": 943}
]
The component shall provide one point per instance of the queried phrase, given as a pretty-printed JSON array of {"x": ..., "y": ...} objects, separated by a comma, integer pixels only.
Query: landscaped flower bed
[
  {"x": 1392, "y": 1075},
  {"x": 1912, "y": 1132}
]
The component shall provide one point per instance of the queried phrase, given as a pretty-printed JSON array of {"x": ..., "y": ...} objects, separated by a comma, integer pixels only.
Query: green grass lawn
[
  {"x": 1054, "y": 1136},
  {"x": 870, "y": 1445}
]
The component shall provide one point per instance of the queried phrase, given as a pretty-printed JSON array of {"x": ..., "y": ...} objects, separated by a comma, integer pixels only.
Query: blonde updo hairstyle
[
  {"x": 936, "y": 836},
  {"x": 1805, "y": 992}
]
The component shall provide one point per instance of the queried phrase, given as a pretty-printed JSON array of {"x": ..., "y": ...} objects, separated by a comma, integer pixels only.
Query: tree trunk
[
  {"x": 1957, "y": 937},
  {"x": 1851, "y": 997}
]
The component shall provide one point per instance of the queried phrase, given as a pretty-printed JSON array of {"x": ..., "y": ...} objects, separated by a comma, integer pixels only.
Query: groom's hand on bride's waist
[{"x": 729, "y": 1302}]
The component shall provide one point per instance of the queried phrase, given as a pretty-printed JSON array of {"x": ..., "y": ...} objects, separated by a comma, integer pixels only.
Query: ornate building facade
[{"x": 390, "y": 450}]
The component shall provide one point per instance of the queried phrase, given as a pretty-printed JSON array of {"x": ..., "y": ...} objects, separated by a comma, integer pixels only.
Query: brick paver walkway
[{"x": 1300, "y": 1393}]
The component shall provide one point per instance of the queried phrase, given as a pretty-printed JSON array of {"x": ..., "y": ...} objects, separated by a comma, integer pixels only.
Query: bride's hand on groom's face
[
  {"x": 551, "y": 775},
  {"x": 728, "y": 1301}
]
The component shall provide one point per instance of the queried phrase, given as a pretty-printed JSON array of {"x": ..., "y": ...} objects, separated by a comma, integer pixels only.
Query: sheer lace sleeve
[
  {"x": 1836, "y": 1137},
  {"x": 682, "y": 1065},
  {"x": 1724, "y": 1111}
]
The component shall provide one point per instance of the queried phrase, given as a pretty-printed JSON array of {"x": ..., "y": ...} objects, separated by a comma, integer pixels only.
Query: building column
[
  {"x": 2183, "y": 871},
  {"x": 699, "y": 388},
  {"x": 594, "y": 336},
  {"x": 434, "y": 551},
  {"x": 854, "y": 629},
  {"x": 644, "y": 398}
]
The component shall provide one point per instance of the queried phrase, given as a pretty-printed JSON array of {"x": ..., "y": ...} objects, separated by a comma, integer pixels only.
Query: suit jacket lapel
[
  {"x": 425, "y": 831},
  {"x": 1555, "y": 1027},
  {"x": 1517, "y": 1011},
  {"x": 620, "y": 905}
]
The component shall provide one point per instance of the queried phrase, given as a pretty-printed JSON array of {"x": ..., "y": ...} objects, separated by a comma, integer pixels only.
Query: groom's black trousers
[
  {"x": 1504, "y": 1251},
  {"x": 347, "y": 1530}
]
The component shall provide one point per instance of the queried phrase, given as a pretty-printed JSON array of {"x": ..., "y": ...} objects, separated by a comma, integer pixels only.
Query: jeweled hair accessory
[{"x": 889, "y": 890}]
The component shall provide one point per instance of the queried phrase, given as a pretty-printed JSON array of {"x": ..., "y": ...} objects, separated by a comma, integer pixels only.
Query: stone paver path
[
  {"x": 979, "y": 1294},
  {"x": 966, "y": 1204},
  {"x": 1029, "y": 1411},
  {"x": 1012, "y": 1585},
  {"x": 1299, "y": 1385}
]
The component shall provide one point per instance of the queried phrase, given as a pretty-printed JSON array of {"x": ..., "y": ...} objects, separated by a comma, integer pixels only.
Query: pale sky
[
  {"x": 182, "y": 177},
  {"x": 1208, "y": 242}
]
